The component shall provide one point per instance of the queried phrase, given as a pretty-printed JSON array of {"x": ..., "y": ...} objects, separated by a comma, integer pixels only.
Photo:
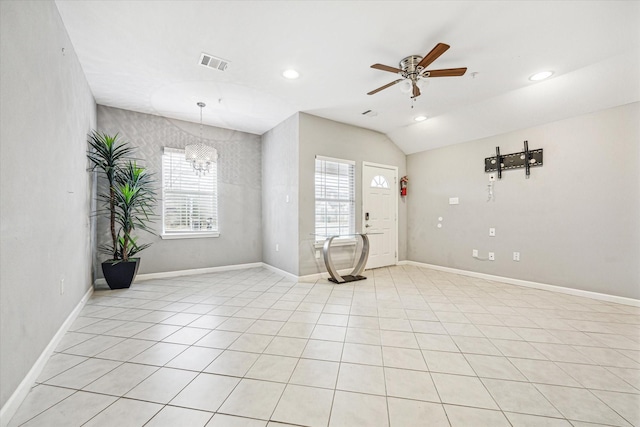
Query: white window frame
[
  {"x": 319, "y": 234},
  {"x": 184, "y": 234}
]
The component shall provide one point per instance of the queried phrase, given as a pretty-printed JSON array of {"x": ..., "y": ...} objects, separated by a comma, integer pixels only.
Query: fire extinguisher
[{"x": 403, "y": 185}]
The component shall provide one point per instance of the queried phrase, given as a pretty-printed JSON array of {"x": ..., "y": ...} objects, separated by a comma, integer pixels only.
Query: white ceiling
[{"x": 143, "y": 56}]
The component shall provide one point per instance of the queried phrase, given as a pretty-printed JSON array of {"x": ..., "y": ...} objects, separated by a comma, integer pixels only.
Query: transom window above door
[{"x": 379, "y": 181}]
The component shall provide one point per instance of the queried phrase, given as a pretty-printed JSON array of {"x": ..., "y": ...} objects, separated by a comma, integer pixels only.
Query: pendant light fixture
[{"x": 200, "y": 156}]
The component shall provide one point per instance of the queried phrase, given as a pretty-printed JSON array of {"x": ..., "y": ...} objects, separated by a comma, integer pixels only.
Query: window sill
[
  {"x": 173, "y": 236},
  {"x": 336, "y": 242}
]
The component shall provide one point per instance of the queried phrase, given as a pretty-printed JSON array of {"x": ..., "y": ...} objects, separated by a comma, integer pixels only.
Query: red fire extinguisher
[{"x": 403, "y": 185}]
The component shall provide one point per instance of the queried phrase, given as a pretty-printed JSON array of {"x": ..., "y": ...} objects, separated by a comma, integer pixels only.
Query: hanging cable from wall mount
[{"x": 490, "y": 188}]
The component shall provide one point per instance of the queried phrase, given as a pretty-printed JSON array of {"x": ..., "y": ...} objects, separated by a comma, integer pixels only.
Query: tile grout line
[{"x": 377, "y": 291}]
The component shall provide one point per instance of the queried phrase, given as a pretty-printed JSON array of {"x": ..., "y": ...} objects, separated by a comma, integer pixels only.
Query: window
[
  {"x": 189, "y": 201},
  {"x": 379, "y": 181},
  {"x": 335, "y": 197}
]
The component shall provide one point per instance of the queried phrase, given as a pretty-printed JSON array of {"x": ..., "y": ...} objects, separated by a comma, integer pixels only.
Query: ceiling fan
[{"x": 413, "y": 68}]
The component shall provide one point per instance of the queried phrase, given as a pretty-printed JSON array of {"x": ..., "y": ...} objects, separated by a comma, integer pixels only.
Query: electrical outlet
[
  {"x": 492, "y": 232},
  {"x": 277, "y": 247},
  {"x": 61, "y": 286},
  {"x": 317, "y": 254},
  {"x": 516, "y": 256},
  {"x": 492, "y": 256},
  {"x": 475, "y": 253}
]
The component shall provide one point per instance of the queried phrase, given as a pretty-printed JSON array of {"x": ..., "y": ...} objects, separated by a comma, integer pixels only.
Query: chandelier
[{"x": 200, "y": 156}]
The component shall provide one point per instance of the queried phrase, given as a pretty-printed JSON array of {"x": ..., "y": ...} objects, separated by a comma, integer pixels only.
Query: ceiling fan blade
[
  {"x": 449, "y": 72},
  {"x": 433, "y": 55},
  {"x": 384, "y": 87},
  {"x": 416, "y": 90},
  {"x": 386, "y": 68}
]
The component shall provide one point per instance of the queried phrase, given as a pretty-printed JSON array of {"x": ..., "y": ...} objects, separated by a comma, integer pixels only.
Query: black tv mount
[{"x": 525, "y": 159}]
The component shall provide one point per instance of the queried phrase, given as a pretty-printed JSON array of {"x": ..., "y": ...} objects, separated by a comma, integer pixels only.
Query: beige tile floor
[{"x": 407, "y": 347}]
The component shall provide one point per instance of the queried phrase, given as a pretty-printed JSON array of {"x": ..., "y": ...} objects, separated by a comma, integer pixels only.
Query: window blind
[
  {"x": 335, "y": 197},
  {"x": 189, "y": 201}
]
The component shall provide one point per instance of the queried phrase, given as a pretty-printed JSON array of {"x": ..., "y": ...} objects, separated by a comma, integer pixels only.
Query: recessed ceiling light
[
  {"x": 420, "y": 118},
  {"x": 541, "y": 76},
  {"x": 290, "y": 74}
]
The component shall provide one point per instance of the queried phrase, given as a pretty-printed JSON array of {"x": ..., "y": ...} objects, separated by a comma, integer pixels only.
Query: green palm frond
[
  {"x": 130, "y": 198},
  {"x": 106, "y": 153}
]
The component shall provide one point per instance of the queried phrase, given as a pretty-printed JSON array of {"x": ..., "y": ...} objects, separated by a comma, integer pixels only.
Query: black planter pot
[{"x": 120, "y": 275}]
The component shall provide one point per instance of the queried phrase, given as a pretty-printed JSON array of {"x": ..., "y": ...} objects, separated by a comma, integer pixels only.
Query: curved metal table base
[{"x": 357, "y": 270}]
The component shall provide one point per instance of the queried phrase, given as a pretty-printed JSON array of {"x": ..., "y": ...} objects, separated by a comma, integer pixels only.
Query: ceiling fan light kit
[
  {"x": 413, "y": 71},
  {"x": 406, "y": 86}
]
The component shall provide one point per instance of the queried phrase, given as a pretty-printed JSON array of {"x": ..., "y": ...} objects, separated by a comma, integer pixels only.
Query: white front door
[{"x": 379, "y": 213}]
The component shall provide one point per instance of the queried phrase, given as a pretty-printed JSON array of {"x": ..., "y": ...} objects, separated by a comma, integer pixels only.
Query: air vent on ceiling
[{"x": 210, "y": 61}]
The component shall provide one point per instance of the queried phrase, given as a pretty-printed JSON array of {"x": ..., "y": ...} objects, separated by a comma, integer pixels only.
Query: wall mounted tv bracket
[{"x": 526, "y": 159}]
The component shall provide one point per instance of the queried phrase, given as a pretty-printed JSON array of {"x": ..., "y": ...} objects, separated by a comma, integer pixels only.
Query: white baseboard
[
  {"x": 528, "y": 284},
  {"x": 290, "y": 276},
  {"x": 307, "y": 278},
  {"x": 13, "y": 403},
  {"x": 191, "y": 272},
  {"x": 325, "y": 275},
  {"x": 286, "y": 274}
]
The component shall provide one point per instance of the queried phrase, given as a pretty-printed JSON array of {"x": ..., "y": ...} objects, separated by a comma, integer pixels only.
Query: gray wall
[
  {"x": 280, "y": 196},
  {"x": 239, "y": 190},
  {"x": 575, "y": 222},
  {"x": 46, "y": 111},
  {"x": 324, "y": 137}
]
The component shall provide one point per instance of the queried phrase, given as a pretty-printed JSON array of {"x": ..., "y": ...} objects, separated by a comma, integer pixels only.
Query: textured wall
[
  {"x": 575, "y": 222},
  {"x": 324, "y": 137},
  {"x": 46, "y": 111},
  {"x": 239, "y": 187},
  {"x": 280, "y": 195}
]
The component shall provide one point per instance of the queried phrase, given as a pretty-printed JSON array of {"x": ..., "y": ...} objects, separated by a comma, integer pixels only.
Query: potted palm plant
[{"x": 128, "y": 200}]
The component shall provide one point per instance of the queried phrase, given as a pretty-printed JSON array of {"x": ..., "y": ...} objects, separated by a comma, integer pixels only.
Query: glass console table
[{"x": 359, "y": 267}]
